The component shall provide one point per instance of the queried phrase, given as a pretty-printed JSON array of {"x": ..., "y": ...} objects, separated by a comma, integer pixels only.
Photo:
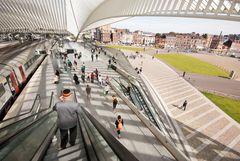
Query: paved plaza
[{"x": 211, "y": 133}]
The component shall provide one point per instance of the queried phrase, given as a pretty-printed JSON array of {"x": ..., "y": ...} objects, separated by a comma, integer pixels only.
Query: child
[{"x": 119, "y": 125}]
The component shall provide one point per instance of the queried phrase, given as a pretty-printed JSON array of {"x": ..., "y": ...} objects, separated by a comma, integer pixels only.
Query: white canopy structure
[{"x": 74, "y": 16}]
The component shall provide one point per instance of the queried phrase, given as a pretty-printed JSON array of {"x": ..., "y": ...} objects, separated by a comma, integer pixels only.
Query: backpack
[{"x": 120, "y": 125}]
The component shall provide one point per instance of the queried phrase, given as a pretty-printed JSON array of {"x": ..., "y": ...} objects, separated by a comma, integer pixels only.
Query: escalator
[
  {"x": 140, "y": 100},
  {"x": 39, "y": 140}
]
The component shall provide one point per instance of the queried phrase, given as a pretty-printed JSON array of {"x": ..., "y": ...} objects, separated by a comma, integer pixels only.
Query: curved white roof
[{"x": 74, "y": 16}]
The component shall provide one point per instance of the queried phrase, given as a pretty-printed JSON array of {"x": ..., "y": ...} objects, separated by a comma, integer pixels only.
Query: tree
[
  {"x": 157, "y": 35},
  {"x": 205, "y": 36}
]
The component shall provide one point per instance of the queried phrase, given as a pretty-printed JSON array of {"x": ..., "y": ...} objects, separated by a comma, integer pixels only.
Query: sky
[{"x": 182, "y": 25}]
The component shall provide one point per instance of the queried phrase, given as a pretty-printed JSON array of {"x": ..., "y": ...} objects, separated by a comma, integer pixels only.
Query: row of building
[{"x": 191, "y": 41}]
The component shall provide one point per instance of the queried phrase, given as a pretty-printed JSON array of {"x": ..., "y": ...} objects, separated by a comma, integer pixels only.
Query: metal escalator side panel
[
  {"x": 25, "y": 144},
  {"x": 105, "y": 144}
]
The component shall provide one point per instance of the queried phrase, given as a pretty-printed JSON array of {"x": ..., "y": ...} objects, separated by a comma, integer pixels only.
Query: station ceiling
[{"x": 74, "y": 16}]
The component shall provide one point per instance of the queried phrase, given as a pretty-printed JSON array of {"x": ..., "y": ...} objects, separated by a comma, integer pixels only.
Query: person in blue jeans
[{"x": 67, "y": 111}]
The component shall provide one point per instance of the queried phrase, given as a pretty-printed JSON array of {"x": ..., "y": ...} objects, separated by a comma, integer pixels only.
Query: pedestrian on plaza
[
  {"x": 83, "y": 68},
  {"x": 92, "y": 57},
  {"x": 69, "y": 64},
  {"x": 119, "y": 125},
  {"x": 75, "y": 78},
  {"x": 140, "y": 70},
  {"x": 184, "y": 105},
  {"x": 107, "y": 80},
  {"x": 75, "y": 64},
  {"x": 96, "y": 74},
  {"x": 83, "y": 77},
  {"x": 88, "y": 91},
  {"x": 106, "y": 89},
  {"x": 67, "y": 111},
  {"x": 152, "y": 57},
  {"x": 183, "y": 74},
  {"x": 92, "y": 77},
  {"x": 75, "y": 55},
  {"x": 115, "y": 101},
  {"x": 56, "y": 79},
  {"x": 100, "y": 79},
  {"x": 88, "y": 77},
  {"x": 57, "y": 73},
  {"x": 96, "y": 56},
  {"x": 79, "y": 55}
]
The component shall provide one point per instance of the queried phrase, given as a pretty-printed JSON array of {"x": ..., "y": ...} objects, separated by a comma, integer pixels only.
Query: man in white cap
[{"x": 67, "y": 111}]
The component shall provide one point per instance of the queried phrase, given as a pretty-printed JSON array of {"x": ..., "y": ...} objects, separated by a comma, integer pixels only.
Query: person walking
[
  {"x": 109, "y": 63},
  {"x": 100, "y": 80},
  {"x": 75, "y": 78},
  {"x": 96, "y": 56},
  {"x": 57, "y": 73},
  {"x": 115, "y": 101},
  {"x": 106, "y": 89},
  {"x": 184, "y": 105},
  {"x": 92, "y": 57},
  {"x": 79, "y": 55},
  {"x": 96, "y": 74},
  {"x": 83, "y": 68},
  {"x": 92, "y": 77},
  {"x": 119, "y": 125},
  {"x": 69, "y": 64},
  {"x": 88, "y": 91},
  {"x": 83, "y": 77},
  {"x": 184, "y": 73},
  {"x": 67, "y": 111}
]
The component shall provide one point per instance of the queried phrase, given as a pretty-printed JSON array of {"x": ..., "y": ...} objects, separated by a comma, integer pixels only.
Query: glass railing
[
  {"x": 36, "y": 107},
  {"x": 22, "y": 122},
  {"x": 26, "y": 143}
]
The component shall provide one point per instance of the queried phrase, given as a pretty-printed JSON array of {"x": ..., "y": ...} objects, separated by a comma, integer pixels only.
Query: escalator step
[
  {"x": 76, "y": 151},
  {"x": 54, "y": 146}
]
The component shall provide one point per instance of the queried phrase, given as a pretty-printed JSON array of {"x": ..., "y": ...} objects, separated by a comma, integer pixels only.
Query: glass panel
[
  {"x": 101, "y": 147},
  {"x": 13, "y": 128},
  {"x": 25, "y": 145}
]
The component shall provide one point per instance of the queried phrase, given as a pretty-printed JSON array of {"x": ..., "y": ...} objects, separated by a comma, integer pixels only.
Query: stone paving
[
  {"x": 211, "y": 133},
  {"x": 135, "y": 137}
]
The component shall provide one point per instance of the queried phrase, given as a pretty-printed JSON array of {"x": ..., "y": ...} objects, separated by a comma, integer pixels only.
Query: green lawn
[
  {"x": 192, "y": 65},
  {"x": 228, "y": 105},
  {"x": 126, "y": 47}
]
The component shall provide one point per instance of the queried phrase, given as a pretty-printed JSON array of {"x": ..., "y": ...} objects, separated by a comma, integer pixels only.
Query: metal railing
[{"x": 12, "y": 129}]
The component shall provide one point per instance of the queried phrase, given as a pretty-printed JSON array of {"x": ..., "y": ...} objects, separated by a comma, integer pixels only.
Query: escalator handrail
[
  {"x": 34, "y": 102},
  {"x": 91, "y": 154},
  {"x": 16, "y": 122},
  {"x": 39, "y": 154},
  {"x": 9, "y": 137},
  {"x": 123, "y": 153}
]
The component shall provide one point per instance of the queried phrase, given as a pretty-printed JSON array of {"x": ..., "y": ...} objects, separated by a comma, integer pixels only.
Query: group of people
[{"x": 68, "y": 110}]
